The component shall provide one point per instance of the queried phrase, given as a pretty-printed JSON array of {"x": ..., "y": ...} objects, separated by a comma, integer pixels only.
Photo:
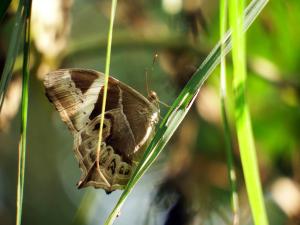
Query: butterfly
[{"x": 129, "y": 124}]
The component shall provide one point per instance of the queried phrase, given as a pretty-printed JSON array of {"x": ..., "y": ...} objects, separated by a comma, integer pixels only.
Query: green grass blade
[
  {"x": 12, "y": 51},
  {"x": 242, "y": 115},
  {"x": 107, "y": 65},
  {"x": 22, "y": 145},
  {"x": 3, "y": 8},
  {"x": 181, "y": 106},
  {"x": 80, "y": 217},
  {"x": 227, "y": 133}
]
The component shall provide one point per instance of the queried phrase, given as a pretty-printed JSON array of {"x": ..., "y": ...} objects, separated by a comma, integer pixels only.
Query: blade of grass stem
[
  {"x": 83, "y": 205},
  {"x": 22, "y": 145},
  {"x": 227, "y": 133},
  {"x": 12, "y": 50},
  {"x": 242, "y": 115},
  {"x": 107, "y": 65},
  {"x": 181, "y": 106}
]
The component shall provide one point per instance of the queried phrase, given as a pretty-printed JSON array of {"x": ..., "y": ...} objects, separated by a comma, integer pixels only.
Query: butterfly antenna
[
  {"x": 147, "y": 73},
  {"x": 164, "y": 104},
  {"x": 147, "y": 81},
  {"x": 154, "y": 60}
]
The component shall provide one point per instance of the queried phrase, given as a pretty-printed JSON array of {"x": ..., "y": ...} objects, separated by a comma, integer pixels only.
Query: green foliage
[
  {"x": 178, "y": 111},
  {"x": 242, "y": 115},
  {"x": 12, "y": 50},
  {"x": 23, "y": 136},
  {"x": 227, "y": 132}
]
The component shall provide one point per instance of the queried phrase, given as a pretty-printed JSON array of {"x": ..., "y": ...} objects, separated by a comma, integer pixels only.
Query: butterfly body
[{"x": 129, "y": 123}]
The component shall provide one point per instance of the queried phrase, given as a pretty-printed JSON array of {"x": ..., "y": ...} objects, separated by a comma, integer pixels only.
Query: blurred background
[{"x": 188, "y": 183}]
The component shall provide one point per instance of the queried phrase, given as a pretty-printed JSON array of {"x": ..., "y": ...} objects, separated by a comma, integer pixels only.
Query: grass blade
[
  {"x": 107, "y": 65},
  {"x": 85, "y": 202},
  {"x": 242, "y": 115},
  {"x": 227, "y": 133},
  {"x": 181, "y": 107},
  {"x": 12, "y": 51},
  {"x": 22, "y": 145}
]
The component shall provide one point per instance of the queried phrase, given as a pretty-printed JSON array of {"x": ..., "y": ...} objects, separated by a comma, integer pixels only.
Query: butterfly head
[{"x": 152, "y": 97}]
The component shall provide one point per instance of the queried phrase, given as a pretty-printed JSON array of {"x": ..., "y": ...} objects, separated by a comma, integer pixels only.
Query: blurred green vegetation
[{"x": 188, "y": 184}]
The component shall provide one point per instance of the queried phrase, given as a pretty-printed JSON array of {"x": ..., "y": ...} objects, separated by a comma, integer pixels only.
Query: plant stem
[
  {"x": 242, "y": 115},
  {"x": 107, "y": 65},
  {"x": 181, "y": 106},
  {"x": 22, "y": 144},
  {"x": 12, "y": 50},
  {"x": 227, "y": 133}
]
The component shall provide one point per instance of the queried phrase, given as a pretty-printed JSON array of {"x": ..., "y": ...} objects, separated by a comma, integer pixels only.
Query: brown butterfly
[{"x": 129, "y": 123}]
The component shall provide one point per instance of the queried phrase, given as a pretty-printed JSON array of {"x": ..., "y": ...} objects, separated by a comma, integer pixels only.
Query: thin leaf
[
  {"x": 181, "y": 107},
  {"x": 227, "y": 133},
  {"x": 242, "y": 115},
  {"x": 80, "y": 216},
  {"x": 107, "y": 65},
  {"x": 22, "y": 145},
  {"x": 12, "y": 50}
]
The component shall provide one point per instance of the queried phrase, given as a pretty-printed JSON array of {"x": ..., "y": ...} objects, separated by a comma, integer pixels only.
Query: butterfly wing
[
  {"x": 73, "y": 93},
  {"x": 129, "y": 120}
]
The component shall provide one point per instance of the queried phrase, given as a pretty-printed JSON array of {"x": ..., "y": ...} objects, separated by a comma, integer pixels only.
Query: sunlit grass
[
  {"x": 181, "y": 107},
  {"x": 22, "y": 144},
  {"x": 22, "y": 23},
  {"x": 227, "y": 133},
  {"x": 242, "y": 115},
  {"x": 106, "y": 73},
  {"x": 13, "y": 48},
  {"x": 85, "y": 202}
]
